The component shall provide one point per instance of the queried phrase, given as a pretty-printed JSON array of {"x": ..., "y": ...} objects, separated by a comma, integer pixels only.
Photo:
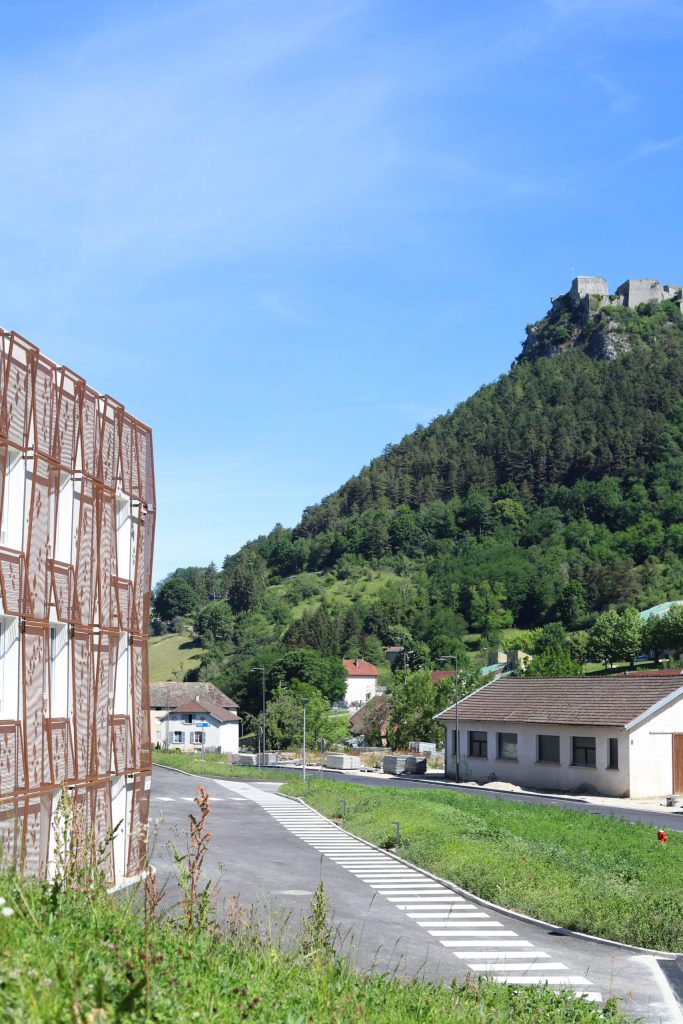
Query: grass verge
[
  {"x": 215, "y": 766},
  {"x": 84, "y": 958},
  {"x": 598, "y": 875}
]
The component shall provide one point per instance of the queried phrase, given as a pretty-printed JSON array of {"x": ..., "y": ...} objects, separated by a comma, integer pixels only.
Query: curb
[{"x": 515, "y": 914}]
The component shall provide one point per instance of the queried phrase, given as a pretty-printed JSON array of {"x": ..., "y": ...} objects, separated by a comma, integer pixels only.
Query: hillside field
[{"x": 174, "y": 652}]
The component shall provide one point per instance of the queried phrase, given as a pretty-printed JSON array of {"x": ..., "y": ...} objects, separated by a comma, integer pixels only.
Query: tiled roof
[
  {"x": 576, "y": 700},
  {"x": 172, "y": 694},
  {"x": 376, "y": 707},
  {"x": 193, "y": 707},
  {"x": 359, "y": 667},
  {"x": 442, "y": 673}
]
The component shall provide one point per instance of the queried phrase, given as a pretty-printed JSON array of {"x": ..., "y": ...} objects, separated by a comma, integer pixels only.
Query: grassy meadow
[
  {"x": 173, "y": 652},
  {"x": 599, "y": 875}
]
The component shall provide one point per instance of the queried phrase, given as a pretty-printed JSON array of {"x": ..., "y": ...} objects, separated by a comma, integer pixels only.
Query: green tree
[
  {"x": 174, "y": 597},
  {"x": 214, "y": 623},
  {"x": 305, "y": 665},
  {"x": 412, "y": 706},
  {"x": 602, "y": 638},
  {"x": 246, "y": 588},
  {"x": 629, "y": 635}
]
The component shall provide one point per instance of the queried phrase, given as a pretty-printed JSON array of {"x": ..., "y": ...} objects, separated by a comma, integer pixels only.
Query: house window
[
  {"x": 549, "y": 749},
  {"x": 177, "y": 737},
  {"x": 507, "y": 746},
  {"x": 478, "y": 743},
  {"x": 583, "y": 751},
  {"x": 613, "y": 760},
  {"x": 197, "y": 737}
]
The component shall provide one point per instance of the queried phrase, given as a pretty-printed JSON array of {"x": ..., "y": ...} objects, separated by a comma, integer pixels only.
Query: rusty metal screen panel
[
  {"x": 107, "y": 561},
  {"x": 35, "y": 668},
  {"x": 138, "y": 823},
  {"x": 18, "y": 391},
  {"x": 67, "y": 731},
  {"x": 12, "y": 575},
  {"x": 122, "y": 744},
  {"x": 37, "y": 589},
  {"x": 61, "y": 750},
  {"x": 11, "y": 759},
  {"x": 63, "y": 590}
]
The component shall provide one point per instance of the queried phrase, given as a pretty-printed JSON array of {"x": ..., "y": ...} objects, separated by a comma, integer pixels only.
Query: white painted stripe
[
  {"x": 463, "y": 921},
  {"x": 449, "y": 914},
  {"x": 455, "y": 926},
  {"x": 416, "y": 901},
  {"x": 489, "y": 954},
  {"x": 544, "y": 979},
  {"x": 167, "y": 799},
  {"x": 472, "y": 933},
  {"x": 501, "y": 943},
  {"x": 509, "y": 968}
]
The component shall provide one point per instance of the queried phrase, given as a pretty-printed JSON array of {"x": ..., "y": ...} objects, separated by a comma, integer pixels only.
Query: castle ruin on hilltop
[{"x": 631, "y": 293}]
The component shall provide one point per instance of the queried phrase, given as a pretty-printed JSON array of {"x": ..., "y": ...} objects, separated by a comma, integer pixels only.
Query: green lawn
[
  {"x": 215, "y": 766},
  {"x": 86, "y": 958},
  {"x": 598, "y": 875},
  {"x": 174, "y": 652}
]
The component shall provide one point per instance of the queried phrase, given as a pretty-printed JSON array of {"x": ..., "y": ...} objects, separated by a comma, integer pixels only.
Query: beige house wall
[{"x": 528, "y": 772}]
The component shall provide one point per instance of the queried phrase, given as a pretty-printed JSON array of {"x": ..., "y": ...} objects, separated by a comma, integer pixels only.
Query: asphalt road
[
  {"x": 270, "y": 853},
  {"x": 669, "y": 818}
]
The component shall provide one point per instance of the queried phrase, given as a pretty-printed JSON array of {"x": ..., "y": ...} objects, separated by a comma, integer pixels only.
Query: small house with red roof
[{"x": 361, "y": 681}]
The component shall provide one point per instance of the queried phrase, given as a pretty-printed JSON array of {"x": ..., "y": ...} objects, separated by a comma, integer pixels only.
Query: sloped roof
[
  {"x": 193, "y": 707},
  {"x": 376, "y": 707},
  {"x": 574, "y": 700},
  {"x": 172, "y": 694},
  {"x": 359, "y": 667}
]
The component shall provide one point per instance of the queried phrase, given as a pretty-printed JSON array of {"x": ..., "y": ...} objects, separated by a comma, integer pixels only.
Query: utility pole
[
  {"x": 304, "y": 702},
  {"x": 454, "y": 658},
  {"x": 262, "y": 730}
]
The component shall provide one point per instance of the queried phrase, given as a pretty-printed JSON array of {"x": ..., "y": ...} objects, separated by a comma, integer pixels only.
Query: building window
[
  {"x": 613, "y": 760},
  {"x": 549, "y": 749},
  {"x": 507, "y": 746},
  {"x": 177, "y": 737},
  {"x": 478, "y": 743},
  {"x": 197, "y": 737},
  {"x": 583, "y": 751}
]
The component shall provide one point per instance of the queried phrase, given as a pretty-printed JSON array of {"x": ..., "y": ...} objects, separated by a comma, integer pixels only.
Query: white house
[
  {"x": 614, "y": 735},
  {"x": 178, "y": 709},
  {"x": 168, "y": 696},
  {"x": 361, "y": 681}
]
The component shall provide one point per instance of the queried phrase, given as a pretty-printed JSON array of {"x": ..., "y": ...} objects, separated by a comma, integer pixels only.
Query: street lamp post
[
  {"x": 262, "y": 731},
  {"x": 304, "y": 702},
  {"x": 454, "y": 657}
]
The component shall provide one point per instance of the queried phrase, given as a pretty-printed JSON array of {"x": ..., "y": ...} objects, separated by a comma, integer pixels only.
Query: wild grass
[
  {"x": 73, "y": 954},
  {"x": 599, "y": 875},
  {"x": 216, "y": 766}
]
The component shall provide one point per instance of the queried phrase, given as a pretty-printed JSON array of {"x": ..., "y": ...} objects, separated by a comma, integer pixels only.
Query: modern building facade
[
  {"x": 613, "y": 735},
  {"x": 77, "y": 509}
]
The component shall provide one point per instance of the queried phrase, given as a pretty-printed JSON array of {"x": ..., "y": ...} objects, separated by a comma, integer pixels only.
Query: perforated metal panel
[{"x": 59, "y": 427}]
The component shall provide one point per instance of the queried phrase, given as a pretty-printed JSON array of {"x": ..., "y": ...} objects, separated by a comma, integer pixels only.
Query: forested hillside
[{"x": 550, "y": 495}]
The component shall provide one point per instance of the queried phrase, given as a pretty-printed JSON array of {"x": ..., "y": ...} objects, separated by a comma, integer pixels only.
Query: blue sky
[{"x": 283, "y": 232}]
